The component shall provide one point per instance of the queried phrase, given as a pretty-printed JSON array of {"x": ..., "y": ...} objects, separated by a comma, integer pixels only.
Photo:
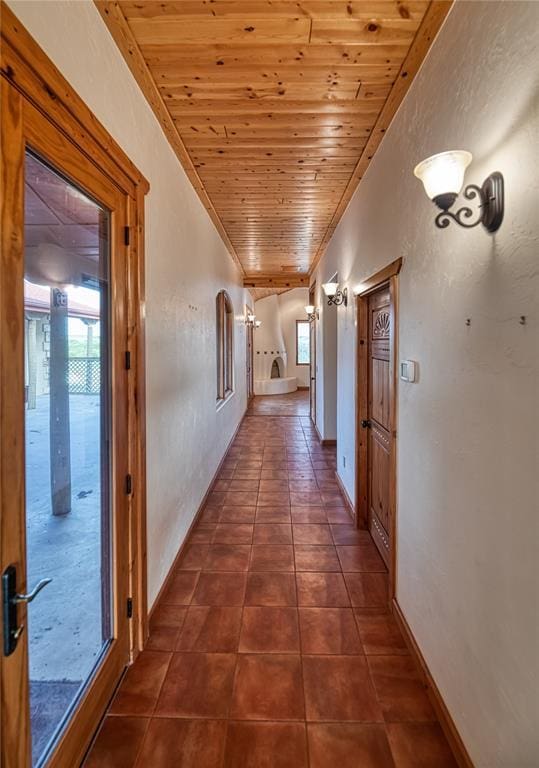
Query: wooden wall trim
[
  {"x": 446, "y": 721},
  {"x": 429, "y": 28},
  {"x": 382, "y": 276},
  {"x": 125, "y": 40}
]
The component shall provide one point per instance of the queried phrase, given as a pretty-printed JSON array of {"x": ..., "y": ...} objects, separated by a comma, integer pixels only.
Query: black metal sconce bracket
[
  {"x": 341, "y": 297},
  {"x": 490, "y": 209}
]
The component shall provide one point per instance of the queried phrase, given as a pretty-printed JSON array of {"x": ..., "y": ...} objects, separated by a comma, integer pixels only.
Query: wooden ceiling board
[{"x": 275, "y": 108}]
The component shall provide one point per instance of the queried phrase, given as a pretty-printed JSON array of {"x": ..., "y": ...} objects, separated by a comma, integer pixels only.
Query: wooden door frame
[
  {"x": 387, "y": 277},
  {"x": 32, "y": 85}
]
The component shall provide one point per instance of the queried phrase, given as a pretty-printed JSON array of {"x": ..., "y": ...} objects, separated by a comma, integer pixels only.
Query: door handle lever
[
  {"x": 10, "y": 598},
  {"x": 18, "y": 598}
]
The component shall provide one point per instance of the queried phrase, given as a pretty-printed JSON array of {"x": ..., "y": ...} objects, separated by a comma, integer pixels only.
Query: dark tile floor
[{"x": 272, "y": 647}]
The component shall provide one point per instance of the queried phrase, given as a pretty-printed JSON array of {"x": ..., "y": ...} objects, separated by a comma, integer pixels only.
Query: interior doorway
[
  {"x": 72, "y": 412},
  {"x": 377, "y": 313},
  {"x": 249, "y": 354},
  {"x": 312, "y": 357}
]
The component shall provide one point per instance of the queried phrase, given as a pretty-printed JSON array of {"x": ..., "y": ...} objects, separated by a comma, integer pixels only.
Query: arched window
[{"x": 225, "y": 345}]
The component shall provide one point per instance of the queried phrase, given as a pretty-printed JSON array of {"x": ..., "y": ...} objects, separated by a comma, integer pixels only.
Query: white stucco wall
[
  {"x": 186, "y": 265},
  {"x": 468, "y": 496}
]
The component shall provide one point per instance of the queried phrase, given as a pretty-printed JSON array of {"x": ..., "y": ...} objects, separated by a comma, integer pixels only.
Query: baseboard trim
[
  {"x": 201, "y": 506},
  {"x": 347, "y": 499},
  {"x": 446, "y": 721},
  {"x": 303, "y": 388}
]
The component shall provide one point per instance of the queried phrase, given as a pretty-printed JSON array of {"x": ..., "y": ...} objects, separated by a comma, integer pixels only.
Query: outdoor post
[
  {"x": 60, "y": 449},
  {"x": 89, "y": 347}
]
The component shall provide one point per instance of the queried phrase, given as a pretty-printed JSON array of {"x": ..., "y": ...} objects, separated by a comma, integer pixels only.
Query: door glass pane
[{"x": 66, "y": 295}]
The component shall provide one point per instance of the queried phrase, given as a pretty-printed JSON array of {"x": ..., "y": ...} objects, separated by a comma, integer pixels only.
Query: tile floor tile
[
  {"x": 226, "y": 589},
  {"x": 139, "y": 689},
  {"x": 419, "y": 745},
  {"x": 316, "y": 558},
  {"x": 269, "y": 630},
  {"x": 197, "y": 685},
  {"x": 367, "y": 589},
  {"x": 322, "y": 590},
  {"x": 233, "y": 533},
  {"x": 268, "y": 687},
  {"x": 271, "y": 588},
  {"x": 118, "y": 743},
  {"x": 237, "y": 515},
  {"x": 380, "y": 635},
  {"x": 348, "y": 745},
  {"x": 181, "y": 587},
  {"x": 329, "y": 631},
  {"x": 350, "y": 696},
  {"x": 173, "y": 742},
  {"x": 269, "y": 557},
  {"x": 401, "y": 693},
  {"x": 364, "y": 558},
  {"x": 210, "y": 629},
  {"x": 272, "y": 533},
  {"x": 312, "y": 534},
  {"x": 266, "y": 745},
  {"x": 228, "y": 557},
  {"x": 273, "y": 515}
]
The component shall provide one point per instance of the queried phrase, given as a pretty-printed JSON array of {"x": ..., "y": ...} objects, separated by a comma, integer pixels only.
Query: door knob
[{"x": 366, "y": 423}]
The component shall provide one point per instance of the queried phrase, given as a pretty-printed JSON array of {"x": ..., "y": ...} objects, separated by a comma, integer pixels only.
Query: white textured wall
[
  {"x": 468, "y": 495},
  {"x": 186, "y": 265},
  {"x": 268, "y": 339}
]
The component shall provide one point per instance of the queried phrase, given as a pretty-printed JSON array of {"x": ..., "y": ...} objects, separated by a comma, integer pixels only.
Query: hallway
[{"x": 270, "y": 644}]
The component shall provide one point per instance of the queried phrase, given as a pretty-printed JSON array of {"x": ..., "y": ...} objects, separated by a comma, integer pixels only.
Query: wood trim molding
[
  {"x": 380, "y": 277},
  {"x": 446, "y": 721},
  {"x": 321, "y": 439},
  {"x": 347, "y": 499},
  {"x": 201, "y": 506},
  {"x": 429, "y": 28},
  {"x": 298, "y": 280},
  {"x": 122, "y": 35}
]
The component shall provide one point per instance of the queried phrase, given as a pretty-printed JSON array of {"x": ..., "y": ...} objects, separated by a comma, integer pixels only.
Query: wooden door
[
  {"x": 83, "y": 215},
  {"x": 379, "y": 419}
]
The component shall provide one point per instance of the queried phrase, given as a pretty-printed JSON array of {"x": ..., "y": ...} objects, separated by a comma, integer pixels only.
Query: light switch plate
[{"x": 408, "y": 371}]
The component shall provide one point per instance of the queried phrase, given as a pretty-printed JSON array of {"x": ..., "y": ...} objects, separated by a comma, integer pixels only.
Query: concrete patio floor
[{"x": 64, "y": 621}]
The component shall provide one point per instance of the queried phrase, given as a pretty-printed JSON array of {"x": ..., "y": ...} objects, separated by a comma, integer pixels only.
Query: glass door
[
  {"x": 67, "y": 438},
  {"x": 65, "y": 516}
]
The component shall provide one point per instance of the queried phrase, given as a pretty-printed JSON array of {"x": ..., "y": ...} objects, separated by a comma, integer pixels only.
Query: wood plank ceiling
[{"x": 275, "y": 107}]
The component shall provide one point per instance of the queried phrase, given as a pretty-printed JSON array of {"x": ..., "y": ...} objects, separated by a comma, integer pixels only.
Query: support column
[{"x": 60, "y": 449}]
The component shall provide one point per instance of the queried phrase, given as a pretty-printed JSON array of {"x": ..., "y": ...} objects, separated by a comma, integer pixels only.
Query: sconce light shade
[
  {"x": 443, "y": 176},
  {"x": 309, "y": 309},
  {"x": 250, "y": 318},
  {"x": 258, "y": 323},
  {"x": 330, "y": 289}
]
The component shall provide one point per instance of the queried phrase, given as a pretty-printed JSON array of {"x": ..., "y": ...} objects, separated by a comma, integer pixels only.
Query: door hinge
[
  {"x": 129, "y": 607},
  {"x": 127, "y": 360},
  {"x": 127, "y": 236},
  {"x": 128, "y": 484}
]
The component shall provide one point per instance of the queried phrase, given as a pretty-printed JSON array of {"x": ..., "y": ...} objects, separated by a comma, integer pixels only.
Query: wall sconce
[
  {"x": 443, "y": 176},
  {"x": 312, "y": 313},
  {"x": 258, "y": 323},
  {"x": 335, "y": 296},
  {"x": 250, "y": 319}
]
